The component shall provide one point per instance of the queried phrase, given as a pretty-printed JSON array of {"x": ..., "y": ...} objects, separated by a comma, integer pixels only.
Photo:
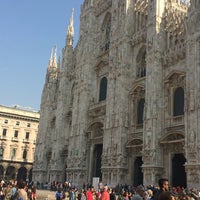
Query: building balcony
[
  {"x": 3, "y": 137},
  {"x": 97, "y": 109},
  {"x": 14, "y": 139},
  {"x": 175, "y": 121},
  {"x": 26, "y": 140}
]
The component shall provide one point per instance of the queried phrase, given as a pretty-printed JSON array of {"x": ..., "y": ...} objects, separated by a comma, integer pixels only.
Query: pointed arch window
[
  {"x": 140, "y": 111},
  {"x": 107, "y": 34},
  {"x": 103, "y": 89},
  {"x": 178, "y": 108},
  {"x": 141, "y": 63},
  {"x": 106, "y": 28}
]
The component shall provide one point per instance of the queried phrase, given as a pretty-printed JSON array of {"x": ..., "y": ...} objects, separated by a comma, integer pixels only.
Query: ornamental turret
[{"x": 70, "y": 31}]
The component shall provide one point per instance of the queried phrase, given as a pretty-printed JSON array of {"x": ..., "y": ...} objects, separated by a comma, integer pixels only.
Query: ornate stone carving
[
  {"x": 165, "y": 41},
  {"x": 148, "y": 140},
  {"x": 149, "y": 156},
  {"x": 192, "y": 100},
  {"x": 102, "y": 5},
  {"x": 175, "y": 33},
  {"x": 192, "y": 138},
  {"x": 139, "y": 37},
  {"x": 192, "y": 24}
]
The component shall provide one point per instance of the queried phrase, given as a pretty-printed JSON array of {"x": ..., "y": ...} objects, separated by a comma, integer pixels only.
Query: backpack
[
  {"x": 58, "y": 195},
  {"x": 16, "y": 196}
]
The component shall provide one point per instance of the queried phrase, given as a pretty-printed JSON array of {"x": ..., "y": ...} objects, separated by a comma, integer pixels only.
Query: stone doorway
[
  {"x": 178, "y": 170},
  {"x": 98, "y": 148},
  {"x": 138, "y": 175}
]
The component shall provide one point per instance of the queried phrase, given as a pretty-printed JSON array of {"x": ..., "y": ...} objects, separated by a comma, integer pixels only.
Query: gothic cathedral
[{"x": 124, "y": 104}]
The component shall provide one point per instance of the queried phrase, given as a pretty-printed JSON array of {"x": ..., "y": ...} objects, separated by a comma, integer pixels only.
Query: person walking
[
  {"x": 89, "y": 193},
  {"x": 163, "y": 187},
  {"x": 33, "y": 192},
  {"x": 58, "y": 194},
  {"x": 22, "y": 193},
  {"x": 8, "y": 192},
  {"x": 105, "y": 195},
  {"x": 140, "y": 193},
  {"x": 72, "y": 194}
]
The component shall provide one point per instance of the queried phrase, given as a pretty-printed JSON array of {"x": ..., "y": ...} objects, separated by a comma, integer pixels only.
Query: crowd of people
[
  {"x": 17, "y": 190},
  {"x": 13, "y": 190},
  {"x": 125, "y": 192}
]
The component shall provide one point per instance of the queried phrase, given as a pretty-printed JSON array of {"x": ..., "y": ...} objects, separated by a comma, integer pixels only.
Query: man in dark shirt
[{"x": 163, "y": 187}]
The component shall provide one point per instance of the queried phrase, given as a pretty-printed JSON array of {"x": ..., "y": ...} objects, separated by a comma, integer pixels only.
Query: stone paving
[{"x": 45, "y": 195}]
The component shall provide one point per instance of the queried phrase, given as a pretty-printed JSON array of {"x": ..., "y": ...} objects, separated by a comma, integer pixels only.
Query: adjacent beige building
[
  {"x": 18, "y": 132},
  {"x": 124, "y": 104}
]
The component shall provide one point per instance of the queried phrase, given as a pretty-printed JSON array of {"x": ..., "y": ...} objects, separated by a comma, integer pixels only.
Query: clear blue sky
[{"x": 28, "y": 31}]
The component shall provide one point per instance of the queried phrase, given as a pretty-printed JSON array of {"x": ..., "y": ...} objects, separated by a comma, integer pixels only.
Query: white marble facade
[{"x": 124, "y": 104}]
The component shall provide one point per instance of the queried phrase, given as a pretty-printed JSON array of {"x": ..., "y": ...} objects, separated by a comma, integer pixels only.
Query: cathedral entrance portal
[
  {"x": 178, "y": 170},
  {"x": 138, "y": 175},
  {"x": 97, "y": 161}
]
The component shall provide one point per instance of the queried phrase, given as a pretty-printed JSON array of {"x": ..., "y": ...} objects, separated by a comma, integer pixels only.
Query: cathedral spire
[
  {"x": 59, "y": 60},
  {"x": 70, "y": 30},
  {"x": 55, "y": 57},
  {"x": 51, "y": 58}
]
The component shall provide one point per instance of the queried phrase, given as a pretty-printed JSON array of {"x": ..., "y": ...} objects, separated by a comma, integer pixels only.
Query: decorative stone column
[{"x": 91, "y": 162}]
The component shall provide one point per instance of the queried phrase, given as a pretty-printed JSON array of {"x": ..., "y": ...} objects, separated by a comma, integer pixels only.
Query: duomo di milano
[{"x": 124, "y": 104}]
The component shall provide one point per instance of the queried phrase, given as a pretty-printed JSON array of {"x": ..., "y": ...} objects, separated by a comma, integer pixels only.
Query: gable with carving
[{"x": 172, "y": 138}]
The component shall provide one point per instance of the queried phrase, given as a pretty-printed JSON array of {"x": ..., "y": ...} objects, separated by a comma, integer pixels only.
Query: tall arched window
[
  {"x": 178, "y": 108},
  {"x": 103, "y": 89},
  {"x": 107, "y": 34},
  {"x": 141, "y": 63},
  {"x": 106, "y": 28},
  {"x": 140, "y": 111}
]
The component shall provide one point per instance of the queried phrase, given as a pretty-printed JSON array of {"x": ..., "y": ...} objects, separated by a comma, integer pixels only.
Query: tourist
[
  {"x": 89, "y": 192},
  {"x": 112, "y": 194},
  {"x": 149, "y": 193},
  {"x": 13, "y": 190},
  {"x": 22, "y": 193},
  {"x": 126, "y": 196},
  {"x": 58, "y": 194},
  {"x": 83, "y": 194},
  {"x": 163, "y": 187},
  {"x": 72, "y": 194},
  {"x": 7, "y": 191},
  {"x": 105, "y": 195},
  {"x": 165, "y": 195},
  {"x": 33, "y": 192},
  {"x": 140, "y": 193}
]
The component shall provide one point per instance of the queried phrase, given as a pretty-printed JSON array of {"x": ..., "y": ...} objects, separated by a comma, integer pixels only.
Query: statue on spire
[
  {"x": 55, "y": 56},
  {"x": 51, "y": 58},
  {"x": 70, "y": 30}
]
